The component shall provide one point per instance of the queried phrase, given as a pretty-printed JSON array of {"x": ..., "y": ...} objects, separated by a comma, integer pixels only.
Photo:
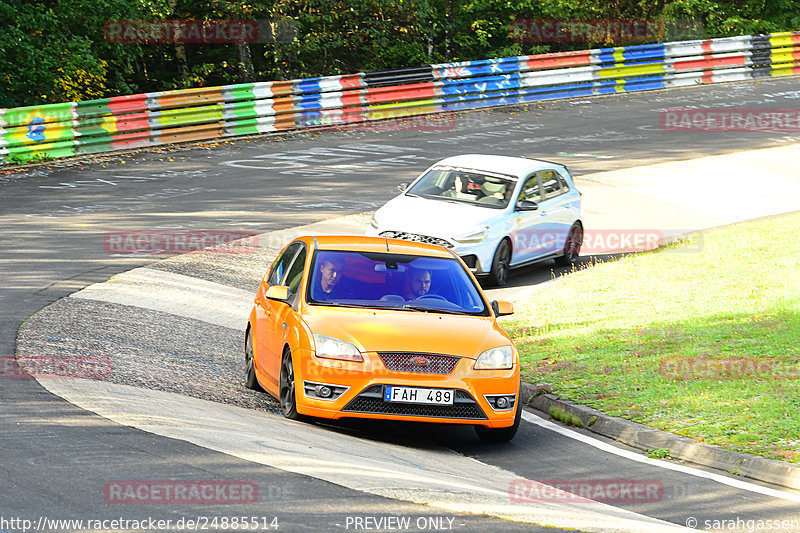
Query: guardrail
[{"x": 141, "y": 120}]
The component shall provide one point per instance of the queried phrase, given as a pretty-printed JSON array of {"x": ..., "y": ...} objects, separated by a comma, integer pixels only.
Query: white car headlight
[
  {"x": 331, "y": 348},
  {"x": 499, "y": 358},
  {"x": 474, "y": 236}
]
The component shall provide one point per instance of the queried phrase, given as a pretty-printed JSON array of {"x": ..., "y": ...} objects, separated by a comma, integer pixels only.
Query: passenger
[{"x": 328, "y": 279}]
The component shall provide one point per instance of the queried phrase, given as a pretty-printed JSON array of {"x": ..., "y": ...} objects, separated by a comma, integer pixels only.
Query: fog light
[
  {"x": 502, "y": 402},
  {"x": 324, "y": 391}
]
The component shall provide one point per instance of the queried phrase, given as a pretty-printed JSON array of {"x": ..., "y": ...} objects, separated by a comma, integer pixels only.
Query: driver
[{"x": 418, "y": 283}]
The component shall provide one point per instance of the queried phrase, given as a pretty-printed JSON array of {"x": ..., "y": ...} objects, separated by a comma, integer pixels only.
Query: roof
[
  {"x": 514, "y": 166},
  {"x": 358, "y": 243}
]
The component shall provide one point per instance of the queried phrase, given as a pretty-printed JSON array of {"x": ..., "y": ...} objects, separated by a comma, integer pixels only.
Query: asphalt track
[{"x": 56, "y": 457}]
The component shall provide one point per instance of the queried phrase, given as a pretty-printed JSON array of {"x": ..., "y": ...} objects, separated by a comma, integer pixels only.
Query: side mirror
[
  {"x": 527, "y": 205},
  {"x": 402, "y": 187},
  {"x": 278, "y": 292},
  {"x": 502, "y": 308}
]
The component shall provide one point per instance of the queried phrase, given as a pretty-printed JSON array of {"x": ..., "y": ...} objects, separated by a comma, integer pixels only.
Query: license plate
[{"x": 416, "y": 395}]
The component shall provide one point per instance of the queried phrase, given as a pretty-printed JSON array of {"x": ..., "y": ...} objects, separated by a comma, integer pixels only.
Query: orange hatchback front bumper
[{"x": 337, "y": 389}]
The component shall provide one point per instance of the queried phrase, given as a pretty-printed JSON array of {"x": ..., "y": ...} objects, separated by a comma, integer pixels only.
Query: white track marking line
[{"x": 633, "y": 456}]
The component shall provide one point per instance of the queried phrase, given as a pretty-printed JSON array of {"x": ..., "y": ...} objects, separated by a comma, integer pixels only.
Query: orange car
[{"x": 381, "y": 328}]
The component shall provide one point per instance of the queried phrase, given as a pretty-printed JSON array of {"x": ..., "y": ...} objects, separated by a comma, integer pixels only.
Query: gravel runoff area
[
  {"x": 162, "y": 351},
  {"x": 147, "y": 349}
]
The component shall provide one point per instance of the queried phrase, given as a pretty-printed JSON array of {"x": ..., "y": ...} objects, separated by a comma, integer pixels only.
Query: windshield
[
  {"x": 467, "y": 186},
  {"x": 393, "y": 281}
]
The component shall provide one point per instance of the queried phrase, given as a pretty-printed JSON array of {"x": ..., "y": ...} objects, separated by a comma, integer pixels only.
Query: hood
[
  {"x": 437, "y": 218},
  {"x": 407, "y": 331}
]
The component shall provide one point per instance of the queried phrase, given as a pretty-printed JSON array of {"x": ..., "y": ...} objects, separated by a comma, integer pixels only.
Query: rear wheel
[
  {"x": 250, "y": 380},
  {"x": 287, "y": 387},
  {"x": 497, "y": 435},
  {"x": 501, "y": 264},
  {"x": 572, "y": 247}
]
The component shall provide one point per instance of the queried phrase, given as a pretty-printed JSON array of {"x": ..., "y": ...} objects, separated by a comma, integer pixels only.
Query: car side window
[
  {"x": 295, "y": 274},
  {"x": 276, "y": 275},
  {"x": 552, "y": 183},
  {"x": 564, "y": 186},
  {"x": 530, "y": 190}
]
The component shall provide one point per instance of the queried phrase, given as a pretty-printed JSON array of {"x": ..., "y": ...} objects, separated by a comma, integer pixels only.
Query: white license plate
[{"x": 416, "y": 395}]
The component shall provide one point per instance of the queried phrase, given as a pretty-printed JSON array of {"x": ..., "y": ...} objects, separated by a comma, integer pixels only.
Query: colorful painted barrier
[{"x": 124, "y": 122}]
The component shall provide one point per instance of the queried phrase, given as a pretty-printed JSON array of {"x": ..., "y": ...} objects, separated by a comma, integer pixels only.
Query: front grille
[
  {"x": 415, "y": 237},
  {"x": 405, "y": 362},
  {"x": 371, "y": 401}
]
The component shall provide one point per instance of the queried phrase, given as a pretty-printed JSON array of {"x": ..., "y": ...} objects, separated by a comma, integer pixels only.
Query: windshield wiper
[
  {"x": 338, "y": 304},
  {"x": 433, "y": 310}
]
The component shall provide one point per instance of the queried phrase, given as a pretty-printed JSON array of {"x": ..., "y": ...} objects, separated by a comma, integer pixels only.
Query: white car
[{"x": 495, "y": 212}]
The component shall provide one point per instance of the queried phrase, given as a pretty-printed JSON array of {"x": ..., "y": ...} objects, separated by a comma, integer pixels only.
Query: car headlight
[
  {"x": 474, "y": 236},
  {"x": 330, "y": 348},
  {"x": 499, "y": 358}
]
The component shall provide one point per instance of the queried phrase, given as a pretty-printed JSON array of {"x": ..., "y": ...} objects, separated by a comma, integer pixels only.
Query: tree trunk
[{"x": 245, "y": 61}]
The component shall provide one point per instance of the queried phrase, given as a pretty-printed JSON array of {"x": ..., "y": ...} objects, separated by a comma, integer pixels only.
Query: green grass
[
  {"x": 701, "y": 339},
  {"x": 561, "y": 415},
  {"x": 658, "y": 453}
]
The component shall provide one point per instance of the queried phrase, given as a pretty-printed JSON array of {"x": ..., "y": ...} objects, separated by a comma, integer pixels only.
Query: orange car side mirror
[
  {"x": 502, "y": 308},
  {"x": 278, "y": 292}
]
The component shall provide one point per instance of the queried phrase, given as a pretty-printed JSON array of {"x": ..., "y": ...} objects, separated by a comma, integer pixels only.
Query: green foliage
[
  {"x": 56, "y": 50},
  {"x": 567, "y": 418},
  {"x": 659, "y": 453}
]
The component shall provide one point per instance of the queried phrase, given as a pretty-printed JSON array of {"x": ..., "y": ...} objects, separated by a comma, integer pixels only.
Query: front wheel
[
  {"x": 498, "y": 435},
  {"x": 501, "y": 264},
  {"x": 250, "y": 380},
  {"x": 287, "y": 387},
  {"x": 572, "y": 247}
]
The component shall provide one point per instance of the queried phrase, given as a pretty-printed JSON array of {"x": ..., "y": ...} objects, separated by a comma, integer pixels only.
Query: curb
[{"x": 646, "y": 438}]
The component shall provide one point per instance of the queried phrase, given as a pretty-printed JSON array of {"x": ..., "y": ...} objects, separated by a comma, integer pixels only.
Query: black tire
[
  {"x": 498, "y": 435},
  {"x": 572, "y": 246},
  {"x": 250, "y": 380},
  {"x": 501, "y": 262},
  {"x": 287, "y": 387}
]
